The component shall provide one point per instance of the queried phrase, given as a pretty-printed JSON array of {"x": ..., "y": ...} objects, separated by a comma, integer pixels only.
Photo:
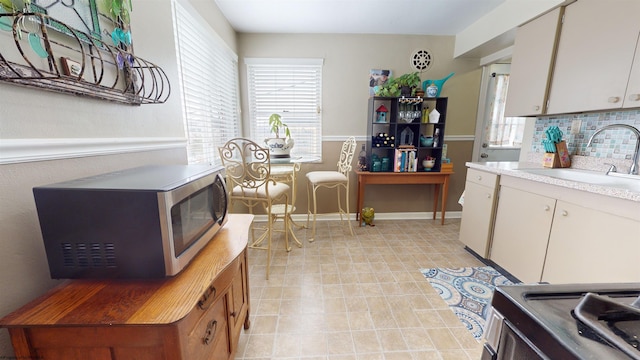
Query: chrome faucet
[{"x": 634, "y": 162}]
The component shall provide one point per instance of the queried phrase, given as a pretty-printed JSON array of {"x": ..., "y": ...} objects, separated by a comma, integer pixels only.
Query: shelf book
[{"x": 405, "y": 160}]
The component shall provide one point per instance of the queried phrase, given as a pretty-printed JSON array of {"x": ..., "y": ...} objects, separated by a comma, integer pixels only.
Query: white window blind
[
  {"x": 293, "y": 89},
  {"x": 208, "y": 72}
]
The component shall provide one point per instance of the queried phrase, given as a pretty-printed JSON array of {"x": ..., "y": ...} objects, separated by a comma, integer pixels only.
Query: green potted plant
[
  {"x": 388, "y": 89},
  {"x": 279, "y": 147},
  {"x": 408, "y": 83},
  {"x": 404, "y": 85}
]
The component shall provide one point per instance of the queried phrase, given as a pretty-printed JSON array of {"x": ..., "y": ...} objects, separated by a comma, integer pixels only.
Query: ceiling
[{"x": 407, "y": 17}]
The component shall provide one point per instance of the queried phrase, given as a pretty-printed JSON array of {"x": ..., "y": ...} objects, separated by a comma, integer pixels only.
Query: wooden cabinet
[
  {"x": 389, "y": 128},
  {"x": 532, "y": 65},
  {"x": 196, "y": 314},
  {"x": 478, "y": 211},
  {"x": 238, "y": 298},
  {"x": 595, "y": 56},
  {"x": 521, "y": 233},
  {"x": 590, "y": 246}
]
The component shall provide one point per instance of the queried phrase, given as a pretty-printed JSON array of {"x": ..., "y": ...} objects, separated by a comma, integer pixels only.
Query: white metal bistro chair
[
  {"x": 248, "y": 172},
  {"x": 333, "y": 180}
]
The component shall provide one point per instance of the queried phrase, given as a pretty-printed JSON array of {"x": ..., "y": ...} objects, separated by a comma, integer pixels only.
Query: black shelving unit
[{"x": 400, "y": 131}]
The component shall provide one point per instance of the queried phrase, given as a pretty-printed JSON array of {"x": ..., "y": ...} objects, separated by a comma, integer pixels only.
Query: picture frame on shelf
[
  {"x": 70, "y": 67},
  {"x": 377, "y": 77}
]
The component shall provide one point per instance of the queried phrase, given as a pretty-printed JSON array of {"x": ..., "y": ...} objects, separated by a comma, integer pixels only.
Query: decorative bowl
[
  {"x": 426, "y": 141},
  {"x": 428, "y": 164}
]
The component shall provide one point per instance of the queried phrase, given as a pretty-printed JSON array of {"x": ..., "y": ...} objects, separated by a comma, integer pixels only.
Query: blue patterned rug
[{"x": 468, "y": 292}]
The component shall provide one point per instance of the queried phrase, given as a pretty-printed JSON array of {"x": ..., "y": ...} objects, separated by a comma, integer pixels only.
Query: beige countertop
[{"x": 628, "y": 189}]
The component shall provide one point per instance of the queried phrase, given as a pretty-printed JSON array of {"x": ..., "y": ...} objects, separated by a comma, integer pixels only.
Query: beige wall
[
  {"x": 33, "y": 117},
  {"x": 347, "y": 62}
]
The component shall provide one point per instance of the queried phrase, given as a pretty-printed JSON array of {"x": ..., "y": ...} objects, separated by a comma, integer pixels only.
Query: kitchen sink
[{"x": 618, "y": 180}]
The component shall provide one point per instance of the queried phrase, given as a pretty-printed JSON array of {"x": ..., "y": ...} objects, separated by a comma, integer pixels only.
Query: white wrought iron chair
[
  {"x": 248, "y": 172},
  {"x": 333, "y": 180}
]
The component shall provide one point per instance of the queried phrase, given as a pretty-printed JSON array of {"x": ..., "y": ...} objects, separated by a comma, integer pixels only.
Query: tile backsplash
[{"x": 613, "y": 145}]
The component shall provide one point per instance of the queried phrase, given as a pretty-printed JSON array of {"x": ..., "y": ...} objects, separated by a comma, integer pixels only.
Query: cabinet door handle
[
  {"x": 488, "y": 196},
  {"x": 207, "y": 298},
  {"x": 479, "y": 177},
  {"x": 565, "y": 213},
  {"x": 634, "y": 97},
  {"x": 547, "y": 208},
  {"x": 210, "y": 332},
  {"x": 614, "y": 99},
  {"x": 536, "y": 107}
]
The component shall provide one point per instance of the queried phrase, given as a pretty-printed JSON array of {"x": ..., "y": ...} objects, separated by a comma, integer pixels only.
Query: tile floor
[{"x": 359, "y": 297}]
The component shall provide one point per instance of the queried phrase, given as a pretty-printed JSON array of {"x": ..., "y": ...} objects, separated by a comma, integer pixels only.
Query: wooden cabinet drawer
[
  {"x": 209, "y": 338},
  {"x": 482, "y": 178},
  {"x": 212, "y": 294}
]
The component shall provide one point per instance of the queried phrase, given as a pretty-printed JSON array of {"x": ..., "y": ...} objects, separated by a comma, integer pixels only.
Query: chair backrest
[
  {"x": 346, "y": 156},
  {"x": 246, "y": 163}
]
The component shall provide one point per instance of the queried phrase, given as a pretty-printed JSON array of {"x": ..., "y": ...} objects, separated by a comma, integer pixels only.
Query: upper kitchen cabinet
[
  {"x": 632, "y": 98},
  {"x": 532, "y": 65},
  {"x": 595, "y": 56}
]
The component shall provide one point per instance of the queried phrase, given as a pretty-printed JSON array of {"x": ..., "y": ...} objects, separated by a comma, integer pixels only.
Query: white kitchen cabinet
[
  {"x": 594, "y": 56},
  {"x": 556, "y": 234},
  {"x": 590, "y": 246},
  {"x": 478, "y": 211},
  {"x": 521, "y": 232},
  {"x": 632, "y": 98},
  {"x": 532, "y": 64}
]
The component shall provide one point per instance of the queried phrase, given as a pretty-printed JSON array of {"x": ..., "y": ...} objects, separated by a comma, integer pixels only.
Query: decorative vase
[
  {"x": 432, "y": 91},
  {"x": 279, "y": 147}
]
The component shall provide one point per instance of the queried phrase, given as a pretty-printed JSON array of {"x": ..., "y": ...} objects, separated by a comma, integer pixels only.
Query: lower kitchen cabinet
[
  {"x": 590, "y": 246},
  {"x": 197, "y": 314},
  {"x": 521, "y": 233},
  {"x": 559, "y": 235},
  {"x": 478, "y": 210}
]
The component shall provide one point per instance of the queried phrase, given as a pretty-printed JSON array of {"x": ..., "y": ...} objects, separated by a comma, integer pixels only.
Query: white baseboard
[{"x": 299, "y": 218}]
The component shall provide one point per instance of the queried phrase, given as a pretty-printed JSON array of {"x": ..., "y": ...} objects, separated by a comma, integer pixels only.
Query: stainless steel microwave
[{"x": 145, "y": 222}]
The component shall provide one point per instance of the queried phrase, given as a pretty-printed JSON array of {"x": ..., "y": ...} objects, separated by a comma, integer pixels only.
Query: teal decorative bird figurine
[{"x": 438, "y": 83}]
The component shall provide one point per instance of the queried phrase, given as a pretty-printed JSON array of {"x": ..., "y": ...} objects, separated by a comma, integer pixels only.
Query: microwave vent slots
[{"x": 88, "y": 255}]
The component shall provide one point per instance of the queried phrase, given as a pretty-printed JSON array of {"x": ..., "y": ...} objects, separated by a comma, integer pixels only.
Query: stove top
[
  {"x": 611, "y": 322},
  {"x": 577, "y": 321}
]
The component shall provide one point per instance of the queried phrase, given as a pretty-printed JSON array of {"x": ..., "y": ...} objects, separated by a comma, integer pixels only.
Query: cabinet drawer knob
[
  {"x": 565, "y": 213},
  {"x": 479, "y": 177},
  {"x": 210, "y": 332},
  {"x": 614, "y": 99},
  {"x": 207, "y": 298},
  {"x": 634, "y": 97}
]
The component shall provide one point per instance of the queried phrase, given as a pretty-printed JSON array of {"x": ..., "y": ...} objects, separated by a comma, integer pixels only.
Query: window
[
  {"x": 209, "y": 80},
  {"x": 503, "y": 131},
  {"x": 293, "y": 89}
]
